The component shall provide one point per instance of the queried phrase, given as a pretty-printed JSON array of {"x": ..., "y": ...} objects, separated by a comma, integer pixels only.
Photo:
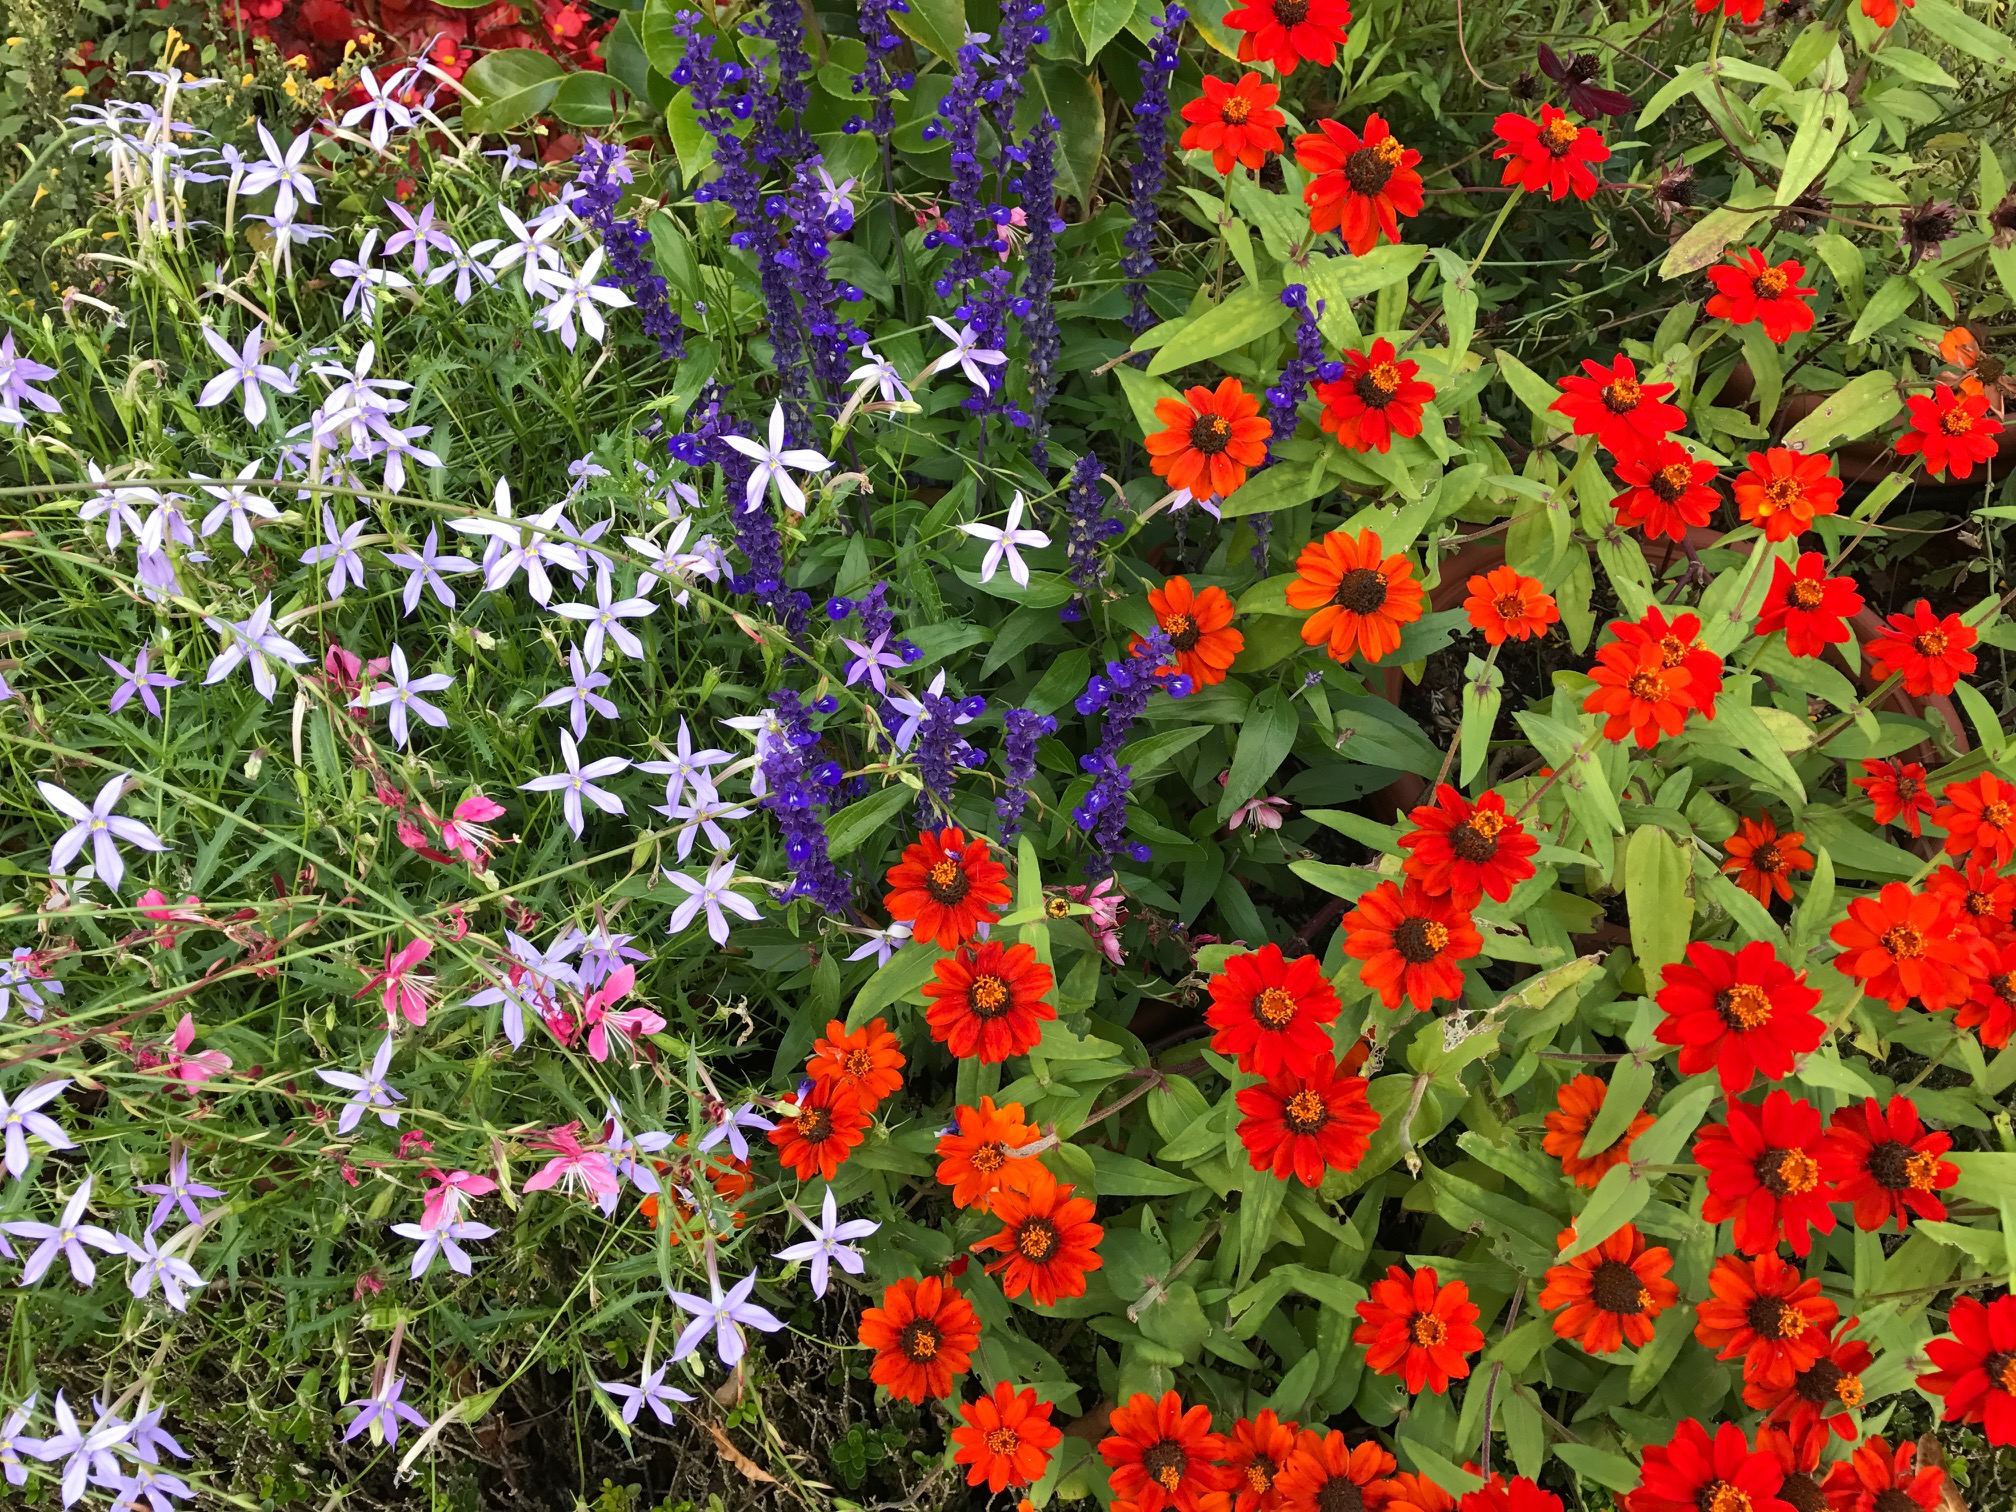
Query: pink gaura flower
[
  {"x": 1266, "y": 813},
  {"x": 405, "y": 990},
  {"x": 573, "y": 1166},
  {"x": 192, "y": 1069},
  {"x": 464, "y": 833},
  {"x": 351, "y": 676},
  {"x": 1108, "y": 913},
  {"x": 623, "y": 1027},
  {"x": 444, "y": 1199},
  {"x": 155, "y": 905}
]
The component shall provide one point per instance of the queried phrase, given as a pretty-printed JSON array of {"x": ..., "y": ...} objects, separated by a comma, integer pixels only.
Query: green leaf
[
  {"x": 1282, "y": 486},
  {"x": 1896, "y": 296},
  {"x": 855, "y": 823},
  {"x": 1338, "y": 280},
  {"x": 1619, "y": 1197},
  {"x": 655, "y": 30},
  {"x": 1656, "y": 873},
  {"x": 1535, "y": 392},
  {"x": 1259, "y": 1205},
  {"x": 1099, "y": 21},
  {"x": 1814, "y": 144},
  {"x": 1985, "y": 1247},
  {"x": 1124, "y": 1176},
  {"x": 1582, "y": 778},
  {"x": 1245, "y": 316},
  {"x": 1143, "y": 394},
  {"x": 1348, "y": 882},
  {"x": 939, "y": 25},
  {"x": 903, "y": 977},
  {"x": 689, "y": 138},
  {"x": 1483, "y": 692},
  {"x": 1151, "y": 753},
  {"x": 1600, "y": 1465},
  {"x": 1264, "y": 742},
  {"x": 510, "y": 86},
  {"x": 590, "y": 99},
  {"x": 1705, "y": 241},
  {"x": 1072, "y": 95},
  {"x": 1851, "y": 411},
  {"x": 1951, "y": 24},
  {"x": 1624, "y": 1098}
]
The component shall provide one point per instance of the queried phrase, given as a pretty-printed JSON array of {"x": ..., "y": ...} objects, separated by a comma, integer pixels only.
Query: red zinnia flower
[
  {"x": 923, "y": 1335},
  {"x": 1979, "y": 817},
  {"x": 1953, "y": 431},
  {"x": 1198, "y": 623},
  {"x": 1931, "y": 651},
  {"x": 1552, "y": 153},
  {"x": 1763, "y": 1171},
  {"x": 1469, "y": 851},
  {"x": 1877, "y": 1478},
  {"x": 1765, "y": 1313},
  {"x": 1749, "y": 12},
  {"x": 1748, "y": 288},
  {"x": 1209, "y": 439},
  {"x": 1516, "y": 1495},
  {"x": 989, "y": 1001},
  {"x": 1666, "y": 491},
  {"x": 1780, "y": 491},
  {"x": 1328, "y": 1471},
  {"x": 1361, "y": 596},
  {"x": 829, "y": 1124},
  {"x": 1695, "y": 1473},
  {"x": 1984, "y": 898},
  {"x": 1377, "y": 399},
  {"x": 1904, "y": 945},
  {"x": 1639, "y": 696},
  {"x": 1808, "y": 605},
  {"x": 1256, "y": 1451},
  {"x": 946, "y": 886},
  {"x": 1288, "y": 32},
  {"x": 1611, "y": 1295},
  {"x": 867, "y": 1062},
  {"x": 1625, "y": 416},
  {"x": 1302, "y": 1124},
  {"x": 1825, "y": 1394},
  {"x": 1360, "y": 187},
  {"x": 1504, "y": 604},
  {"x": 1269, "y": 1012},
  {"x": 1887, "y": 1163},
  {"x": 1576, "y": 1107},
  {"x": 1048, "y": 1240},
  {"x": 1991, "y": 996},
  {"x": 1411, "y": 943},
  {"x": 1896, "y": 790},
  {"x": 1006, "y": 1438},
  {"x": 1762, "y": 860},
  {"x": 1418, "y": 1330},
  {"x": 974, "y": 1161},
  {"x": 1235, "y": 123},
  {"x": 1744, "y": 1013},
  {"x": 1679, "y": 644},
  {"x": 1797, "y": 1450},
  {"x": 1161, "y": 1456},
  {"x": 1885, "y": 12},
  {"x": 1977, "y": 1366},
  {"x": 1409, "y": 1492}
]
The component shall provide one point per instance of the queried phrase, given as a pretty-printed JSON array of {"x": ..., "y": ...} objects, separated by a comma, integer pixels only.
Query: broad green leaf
[
  {"x": 1896, "y": 296},
  {"x": 1600, "y": 1465},
  {"x": 846, "y": 830},
  {"x": 1681, "y": 1114},
  {"x": 903, "y": 977},
  {"x": 1814, "y": 144},
  {"x": 1533, "y": 391},
  {"x": 1850, "y": 412},
  {"x": 1245, "y": 316},
  {"x": 1656, "y": 874},
  {"x": 1986, "y": 1247},
  {"x": 1619, "y": 1197},
  {"x": 1951, "y": 24},
  {"x": 1282, "y": 486},
  {"x": 1705, "y": 241},
  {"x": 1124, "y": 1176},
  {"x": 1099, "y": 21},
  {"x": 1581, "y": 776},
  {"x": 590, "y": 99},
  {"x": 1143, "y": 394},
  {"x": 510, "y": 86},
  {"x": 1259, "y": 1204},
  {"x": 655, "y": 30},
  {"x": 1630, "y": 1084},
  {"x": 1349, "y": 882},
  {"x": 1483, "y": 692},
  {"x": 1736, "y": 728},
  {"x": 1265, "y": 739},
  {"x": 1151, "y": 753},
  {"x": 690, "y": 140},
  {"x": 939, "y": 25},
  {"x": 1338, "y": 280},
  {"x": 1073, "y": 96}
]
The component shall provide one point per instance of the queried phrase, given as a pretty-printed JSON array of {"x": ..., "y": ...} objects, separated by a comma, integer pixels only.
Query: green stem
[{"x": 1492, "y": 235}]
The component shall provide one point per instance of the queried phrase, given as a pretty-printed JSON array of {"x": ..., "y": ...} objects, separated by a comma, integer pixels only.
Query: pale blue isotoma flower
[
  {"x": 428, "y": 569},
  {"x": 98, "y": 827},
  {"x": 244, "y": 374},
  {"x": 828, "y": 1246},
  {"x": 402, "y": 694},
  {"x": 651, "y": 1392},
  {"x": 576, "y": 782},
  {"x": 67, "y": 1237},
  {"x": 137, "y": 681},
  {"x": 370, "y": 1091},
  {"x": 23, "y": 1117},
  {"x": 256, "y": 642}
]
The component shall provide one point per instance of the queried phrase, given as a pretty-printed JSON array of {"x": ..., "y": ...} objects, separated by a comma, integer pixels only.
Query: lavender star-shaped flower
[
  {"x": 685, "y": 764},
  {"x": 177, "y": 1191},
  {"x": 340, "y": 547},
  {"x": 967, "y": 355},
  {"x": 175, "y": 1275},
  {"x": 137, "y": 681},
  {"x": 99, "y": 827},
  {"x": 651, "y": 1392},
  {"x": 605, "y": 617},
  {"x": 67, "y": 1237},
  {"x": 245, "y": 374},
  {"x": 21, "y": 1118},
  {"x": 427, "y": 569},
  {"x": 441, "y": 1240},
  {"x": 13, "y": 1445},
  {"x": 88, "y": 1456},
  {"x": 384, "y": 1408},
  {"x": 370, "y": 1091},
  {"x": 828, "y": 1245},
  {"x": 418, "y": 232},
  {"x": 402, "y": 694},
  {"x": 872, "y": 661},
  {"x": 539, "y": 976},
  {"x": 716, "y": 895},
  {"x": 255, "y": 641},
  {"x": 774, "y": 463},
  {"x": 733, "y": 1122},
  {"x": 581, "y": 695},
  {"x": 724, "y": 1316},
  {"x": 577, "y": 782}
]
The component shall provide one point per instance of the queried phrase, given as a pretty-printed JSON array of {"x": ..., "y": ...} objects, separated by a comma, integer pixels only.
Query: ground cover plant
[{"x": 1231, "y": 758}]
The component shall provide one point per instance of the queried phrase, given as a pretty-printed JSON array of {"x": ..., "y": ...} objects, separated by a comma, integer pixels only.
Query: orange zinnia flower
[
  {"x": 1005, "y": 1437},
  {"x": 1048, "y": 1240},
  {"x": 1885, "y": 12},
  {"x": 1877, "y": 1478},
  {"x": 1375, "y": 398},
  {"x": 1469, "y": 851},
  {"x": 1679, "y": 644},
  {"x": 1976, "y": 1372},
  {"x": 1257, "y": 1450},
  {"x": 1327, "y": 1471},
  {"x": 1268, "y": 1013},
  {"x": 1504, "y": 604},
  {"x": 1765, "y": 1313},
  {"x": 1902, "y": 945},
  {"x": 1419, "y": 1330},
  {"x": 829, "y": 1124},
  {"x": 1359, "y": 187},
  {"x": 1408, "y": 1492},
  {"x": 946, "y": 886},
  {"x": 1699, "y": 1472},
  {"x": 1361, "y": 596},
  {"x": 1896, "y": 791},
  {"x": 1932, "y": 652},
  {"x": 1781, "y": 491},
  {"x": 1991, "y": 997},
  {"x": 974, "y": 1160},
  {"x": 1411, "y": 943},
  {"x": 1288, "y": 32},
  {"x": 1666, "y": 491},
  {"x": 1826, "y": 1394},
  {"x": 1764, "y": 1171},
  {"x": 989, "y": 1001},
  {"x": 1639, "y": 696},
  {"x": 867, "y": 1062},
  {"x": 1209, "y": 439},
  {"x": 1611, "y": 1295},
  {"x": 1985, "y": 898},
  {"x": 1741, "y": 1013},
  {"x": 1199, "y": 626},
  {"x": 923, "y": 1335},
  {"x": 1303, "y": 1124},
  {"x": 1750, "y": 288},
  {"x": 1575, "y": 1108},
  {"x": 1951, "y": 430},
  {"x": 1161, "y": 1456},
  {"x": 1979, "y": 817},
  {"x": 1762, "y": 860},
  {"x": 1235, "y": 123}
]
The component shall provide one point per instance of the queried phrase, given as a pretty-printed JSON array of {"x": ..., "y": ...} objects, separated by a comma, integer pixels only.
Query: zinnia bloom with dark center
[
  {"x": 1764, "y": 1171},
  {"x": 1976, "y": 1372},
  {"x": 1469, "y": 851},
  {"x": 1931, "y": 651},
  {"x": 1199, "y": 626},
  {"x": 1666, "y": 491},
  {"x": 1255, "y": 1452},
  {"x": 1048, "y": 1240},
  {"x": 1780, "y": 491},
  {"x": 1896, "y": 791},
  {"x": 1762, "y": 860},
  {"x": 1625, "y": 416},
  {"x": 1990, "y": 1008},
  {"x": 1750, "y": 288},
  {"x": 1611, "y": 1295},
  {"x": 1903, "y": 945},
  {"x": 1301, "y": 1125},
  {"x": 1877, "y": 1478},
  {"x": 1887, "y": 1163},
  {"x": 1766, "y": 1314},
  {"x": 1979, "y": 817},
  {"x": 1419, "y": 1330},
  {"x": 1826, "y": 1394},
  {"x": 1268, "y": 1013},
  {"x": 1005, "y": 1438},
  {"x": 1638, "y": 695},
  {"x": 1290, "y": 32},
  {"x": 1235, "y": 123},
  {"x": 1376, "y": 399},
  {"x": 1360, "y": 187},
  {"x": 1328, "y": 1473},
  {"x": 829, "y": 1124},
  {"x": 1408, "y": 1492},
  {"x": 1678, "y": 641},
  {"x": 923, "y": 1335},
  {"x": 1504, "y": 604},
  {"x": 1552, "y": 153},
  {"x": 946, "y": 886},
  {"x": 974, "y": 1161},
  {"x": 1749, "y": 12},
  {"x": 1693, "y": 1472},
  {"x": 1952, "y": 431},
  {"x": 1209, "y": 439},
  {"x": 1809, "y": 606},
  {"x": 1797, "y": 1450},
  {"x": 1985, "y": 899},
  {"x": 1743, "y": 1013},
  {"x": 868, "y": 1062},
  {"x": 1360, "y": 596},
  {"x": 989, "y": 1000},
  {"x": 1412, "y": 944},
  {"x": 1576, "y": 1106},
  {"x": 1162, "y": 1456}
]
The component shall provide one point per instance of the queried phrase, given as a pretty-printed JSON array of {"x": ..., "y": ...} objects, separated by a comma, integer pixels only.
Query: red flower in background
[
  {"x": 1377, "y": 399},
  {"x": 1048, "y": 1240},
  {"x": 1781, "y": 490},
  {"x": 1808, "y": 605},
  {"x": 1984, "y": 897},
  {"x": 1625, "y": 416},
  {"x": 1877, "y": 1478},
  {"x": 989, "y": 1000},
  {"x": 1976, "y": 1371},
  {"x": 1611, "y": 1295},
  {"x": 318, "y": 30},
  {"x": 1695, "y": 1473},
  {"x": 1235, "y": 123},
  {"x": 1638, "y": 695},
  {"x": 1301, "y": 1125},
  {"x": 1933, "y": 652},
  {"x": 1904, "y": 945},
  {"x": 1766, "y": 1314},
  {"x": 1288, "y": 32},
  {"x": 1896, "y": 791},
  {"x": 1763, "y": 1171},
  {"x": 1419, "y": 1330},
  {"x": 1749, "y": 12},
  {"x": 1269, "y": 1013},
  {"x": 1762, "y": 860},
  {"x": 868, "y": 1062},
  {"x": 1797, "y": 1451},
  {"x": 1884, "y": 1161},
  {"x": 1952, "y": 431},
  {"x": 828, "y": 1126},
  {"x": 1409, "y": 1492},
  {"x": 1360, "y": 186},
  {"x": 1748, "y": 288},
  {"x": 1576, "y": 1107},
  {"x": 1979, "y": 817},
  {"x": 1552, "y": 153},
  {"x": 923, "y": 1335},
  {"x": 1666, "y": 491},
  {"x": 1744, "y": 1013},
  {"x": 1991, "y": 997},
  {"x": 1504, "y": 604},
  {"x": 1885, "y": 12},
  {"x": 1468, "y": 850},
  {"x": 1825, "y": 1394},
  {"x": 1006, "y": 1438}
]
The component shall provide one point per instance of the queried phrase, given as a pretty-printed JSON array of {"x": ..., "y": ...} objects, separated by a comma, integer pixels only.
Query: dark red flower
[
  {"x": 1359, "y": 187},
  {"x": 1826, "y": 1394},
  {"x": 1979, "y": 817},
  {"x": 1902, "y": 945}
]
